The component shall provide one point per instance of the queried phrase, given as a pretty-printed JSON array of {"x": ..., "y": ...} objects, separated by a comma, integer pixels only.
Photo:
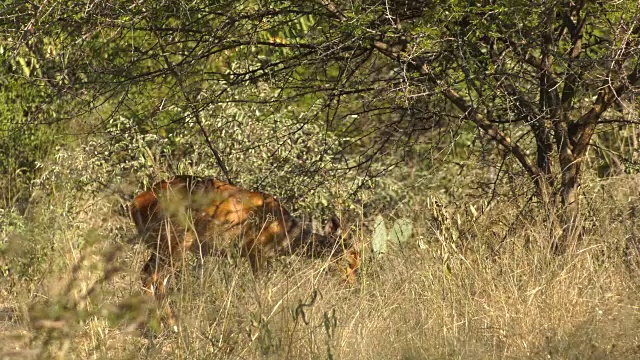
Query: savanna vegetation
[{"x": 482, "y": 154}]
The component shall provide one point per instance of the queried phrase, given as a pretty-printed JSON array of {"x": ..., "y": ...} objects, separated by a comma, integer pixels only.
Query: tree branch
[
  {"x": 471, "y": 113},
  {"x": 585, "y": 126}
]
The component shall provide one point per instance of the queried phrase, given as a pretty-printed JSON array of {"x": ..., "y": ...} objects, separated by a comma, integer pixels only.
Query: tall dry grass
[{"x": 471, "y": 285}]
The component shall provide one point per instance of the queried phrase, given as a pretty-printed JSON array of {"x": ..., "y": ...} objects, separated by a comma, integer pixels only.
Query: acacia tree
[
  {"x": 534, "y": 77},
  {"x": 543, "y": 69},
  {"x": 546, "y": 70}
]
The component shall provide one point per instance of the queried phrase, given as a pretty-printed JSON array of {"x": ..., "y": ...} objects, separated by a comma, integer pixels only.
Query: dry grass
[{"x": 488, "y": 289}]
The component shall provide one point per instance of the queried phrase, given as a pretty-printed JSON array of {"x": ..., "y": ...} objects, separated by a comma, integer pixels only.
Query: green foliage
[
  {"x": 287, "y": 153},
  {"x": 397, "y": 236},
  {"x": 24, "y": 144},
  {"x": 379, "y": 237},
  {"x": 401, "y": 231},
  {"x": 27, "y": 131}
]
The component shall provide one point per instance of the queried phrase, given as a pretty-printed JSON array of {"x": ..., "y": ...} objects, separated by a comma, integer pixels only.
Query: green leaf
[
  {"x": 401, "y": 231},
  {"x": 23, "y": 65},
  {"x": 379, "y": 240}
]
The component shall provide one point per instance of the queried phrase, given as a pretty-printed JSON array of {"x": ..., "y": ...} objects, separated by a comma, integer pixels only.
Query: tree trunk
[{"x": 569, "y": 209}]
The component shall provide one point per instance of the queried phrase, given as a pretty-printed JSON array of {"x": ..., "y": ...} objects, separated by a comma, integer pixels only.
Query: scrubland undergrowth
[{"x": 469, "y": 284}]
